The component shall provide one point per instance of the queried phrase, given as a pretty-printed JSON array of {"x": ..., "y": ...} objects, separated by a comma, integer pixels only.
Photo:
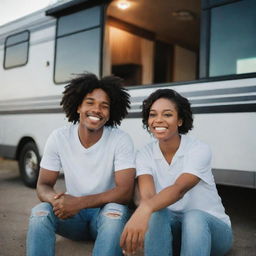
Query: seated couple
[{"x": 179, "y": 203}]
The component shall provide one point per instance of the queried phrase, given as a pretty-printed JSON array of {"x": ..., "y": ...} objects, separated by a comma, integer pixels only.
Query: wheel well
[{"x": 22, "y": 142}]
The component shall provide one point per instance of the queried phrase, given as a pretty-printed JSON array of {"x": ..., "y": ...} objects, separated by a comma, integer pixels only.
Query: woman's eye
[
  {"x": 167, "y": 115},
  {"x": 151, "y": 115}
]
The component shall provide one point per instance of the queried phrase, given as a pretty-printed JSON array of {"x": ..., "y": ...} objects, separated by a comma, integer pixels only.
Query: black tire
[{"x": 29, "y": 161}]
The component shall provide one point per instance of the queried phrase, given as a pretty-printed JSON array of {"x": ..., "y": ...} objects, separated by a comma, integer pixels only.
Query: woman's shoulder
[
  {"x": 193, "y": 143},
  {"x": 197, "y": 149},
  {"x": 147, "y": 150}
]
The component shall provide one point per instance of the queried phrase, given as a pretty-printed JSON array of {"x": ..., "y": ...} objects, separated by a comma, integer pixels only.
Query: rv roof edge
[{"x": 73, "y": 6}]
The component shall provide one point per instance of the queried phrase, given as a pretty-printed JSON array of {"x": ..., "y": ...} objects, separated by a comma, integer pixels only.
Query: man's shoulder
[
  {"x": 117, "y": 132},
  {"x": 118, "y": 138},
  {"x": 65, "y": 131}
]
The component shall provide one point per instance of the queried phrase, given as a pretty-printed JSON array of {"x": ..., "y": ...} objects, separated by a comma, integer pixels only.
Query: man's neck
[{"x": 89, "y": 137}]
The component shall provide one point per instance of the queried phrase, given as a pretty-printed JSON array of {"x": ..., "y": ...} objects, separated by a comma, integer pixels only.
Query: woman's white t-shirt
[{"x": 194, "y": 157}]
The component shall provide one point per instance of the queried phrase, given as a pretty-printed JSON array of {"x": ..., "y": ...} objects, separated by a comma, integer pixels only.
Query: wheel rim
[{"x": 31, "y": 163}]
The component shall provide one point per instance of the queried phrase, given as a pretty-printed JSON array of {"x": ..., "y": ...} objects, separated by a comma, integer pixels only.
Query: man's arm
[
  {"x": 45, "y": 185},
  {"x": 122, "y": 193},
  {"x": 46, "y": 193}
]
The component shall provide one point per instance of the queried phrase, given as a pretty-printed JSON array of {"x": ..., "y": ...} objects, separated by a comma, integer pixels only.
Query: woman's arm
[
  {"x": 133, "y": 235},
  {"x": 173, "y": 193},
  {"x": 146, "y": 187}
]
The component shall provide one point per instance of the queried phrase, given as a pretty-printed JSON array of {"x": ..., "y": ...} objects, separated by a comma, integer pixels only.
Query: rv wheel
[{"x": 29, "y": 164}]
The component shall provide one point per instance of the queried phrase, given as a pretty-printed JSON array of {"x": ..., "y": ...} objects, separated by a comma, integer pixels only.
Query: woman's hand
[{"x": 135, "y": 229}]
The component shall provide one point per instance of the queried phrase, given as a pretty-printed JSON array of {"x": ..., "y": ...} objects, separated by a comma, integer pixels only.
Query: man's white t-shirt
[
  {"x": 194, "y": 157},
  {"x": 88, "y": 170}
]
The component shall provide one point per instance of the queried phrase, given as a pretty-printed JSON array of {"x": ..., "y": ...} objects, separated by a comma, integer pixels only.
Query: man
[{"x": 98, "y": 164}]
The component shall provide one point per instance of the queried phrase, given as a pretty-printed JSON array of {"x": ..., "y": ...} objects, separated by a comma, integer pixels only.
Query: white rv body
[{"x": 30, "y": 106}]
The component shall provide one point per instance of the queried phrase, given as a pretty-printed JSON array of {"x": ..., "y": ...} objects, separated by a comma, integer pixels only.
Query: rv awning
[{"x": 72, "y": 6}]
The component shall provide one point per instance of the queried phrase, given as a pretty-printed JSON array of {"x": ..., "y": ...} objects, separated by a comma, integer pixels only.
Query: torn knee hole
[
  {"x": 113, "y": 214},
  {"x": 110, "y": 214},
  {"x": 41, "y": 213}
]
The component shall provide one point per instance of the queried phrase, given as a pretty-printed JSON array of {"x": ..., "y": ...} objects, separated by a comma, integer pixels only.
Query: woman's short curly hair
[
  {"x": 80, "y": 86},
  {"x": 182, "y": 106}
]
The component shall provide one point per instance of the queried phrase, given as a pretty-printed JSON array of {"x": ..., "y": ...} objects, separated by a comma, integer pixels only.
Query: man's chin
[{"x": 94, "y": 129}]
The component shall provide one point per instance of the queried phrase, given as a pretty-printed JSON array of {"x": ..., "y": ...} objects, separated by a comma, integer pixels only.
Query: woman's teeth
[{"x": 160, "y": 128}]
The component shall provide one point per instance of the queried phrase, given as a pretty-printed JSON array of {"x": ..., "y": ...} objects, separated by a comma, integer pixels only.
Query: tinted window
[
  {"x": 17, "y": 38},
  {"x": 233, "y": 39},
  {"x": 78, "y": 44},
  {"x": 79, "y": 21},
  {"x": 77, "y": 53},
  {"x": 16, "y": 50}
]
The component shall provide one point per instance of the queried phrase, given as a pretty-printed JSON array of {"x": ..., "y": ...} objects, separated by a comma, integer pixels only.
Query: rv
[{"x": 203, "y": 49}]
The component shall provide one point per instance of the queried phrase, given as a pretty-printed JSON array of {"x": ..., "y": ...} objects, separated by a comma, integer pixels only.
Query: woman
[{"x": 179, "y": 199}]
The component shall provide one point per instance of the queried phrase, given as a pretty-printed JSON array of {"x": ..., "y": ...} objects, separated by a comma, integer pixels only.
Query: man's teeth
[
  {"x": 94, "y": 118},
  {"x": 160, "y": 128}
]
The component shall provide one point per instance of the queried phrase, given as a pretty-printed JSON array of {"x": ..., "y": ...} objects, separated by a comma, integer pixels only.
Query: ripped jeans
[{"x": 104, "y": 225}]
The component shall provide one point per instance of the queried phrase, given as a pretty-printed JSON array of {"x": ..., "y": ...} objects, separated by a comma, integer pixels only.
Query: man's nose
[{"x": 96, "y": 108}]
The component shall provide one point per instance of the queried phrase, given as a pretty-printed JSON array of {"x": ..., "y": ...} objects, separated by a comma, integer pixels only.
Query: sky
[{"x": 13, "y": 9}]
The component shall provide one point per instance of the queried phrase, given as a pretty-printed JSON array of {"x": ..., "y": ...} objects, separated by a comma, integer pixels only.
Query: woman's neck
[{"x": 170, "y": 147}]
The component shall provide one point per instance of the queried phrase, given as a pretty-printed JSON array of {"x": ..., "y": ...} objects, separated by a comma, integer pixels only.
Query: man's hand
[
  {"x": 134, "y": 232},
  {"x": 65, "y": 206}
]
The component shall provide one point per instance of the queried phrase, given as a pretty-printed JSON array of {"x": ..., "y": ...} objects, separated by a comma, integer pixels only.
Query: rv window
[
  {"x": 77, "y": 44},
  {"x": 233, "y": 39},
  {"x": 16, "y": 50},
  {"x": 150, "y": 43}
]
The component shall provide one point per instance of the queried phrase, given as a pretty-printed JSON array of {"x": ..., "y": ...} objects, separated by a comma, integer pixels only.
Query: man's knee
[
  {"x": 42, "y": 216},
  {"x": 42, "y": 213},
  {"x": 41, "y": 210},
  {"x": 115, "y": 211}
]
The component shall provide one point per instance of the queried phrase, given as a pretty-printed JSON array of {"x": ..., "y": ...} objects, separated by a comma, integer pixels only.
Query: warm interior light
[
  {"x": 123, "y": 4},
  {"x": 183, "y": 15}
]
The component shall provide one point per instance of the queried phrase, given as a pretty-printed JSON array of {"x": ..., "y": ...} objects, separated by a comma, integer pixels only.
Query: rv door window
[
  {"x": 149, "y": 43},
  {"x": 16, "y": 50},
  {"x": 233, "y": 39},
  {"x": 78, "y": 44}
]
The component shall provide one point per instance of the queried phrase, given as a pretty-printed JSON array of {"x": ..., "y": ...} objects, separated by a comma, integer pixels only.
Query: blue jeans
[
  {"x": 195, "y": 232},
  {"x": 104, "y": 225}
]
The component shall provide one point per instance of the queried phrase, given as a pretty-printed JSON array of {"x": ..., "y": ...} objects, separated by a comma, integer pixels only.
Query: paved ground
[{"x": 16, "y": 200}]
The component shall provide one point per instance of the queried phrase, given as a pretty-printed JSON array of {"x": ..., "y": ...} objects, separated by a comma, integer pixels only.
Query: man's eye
[{"x": 105, "y": 106}]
